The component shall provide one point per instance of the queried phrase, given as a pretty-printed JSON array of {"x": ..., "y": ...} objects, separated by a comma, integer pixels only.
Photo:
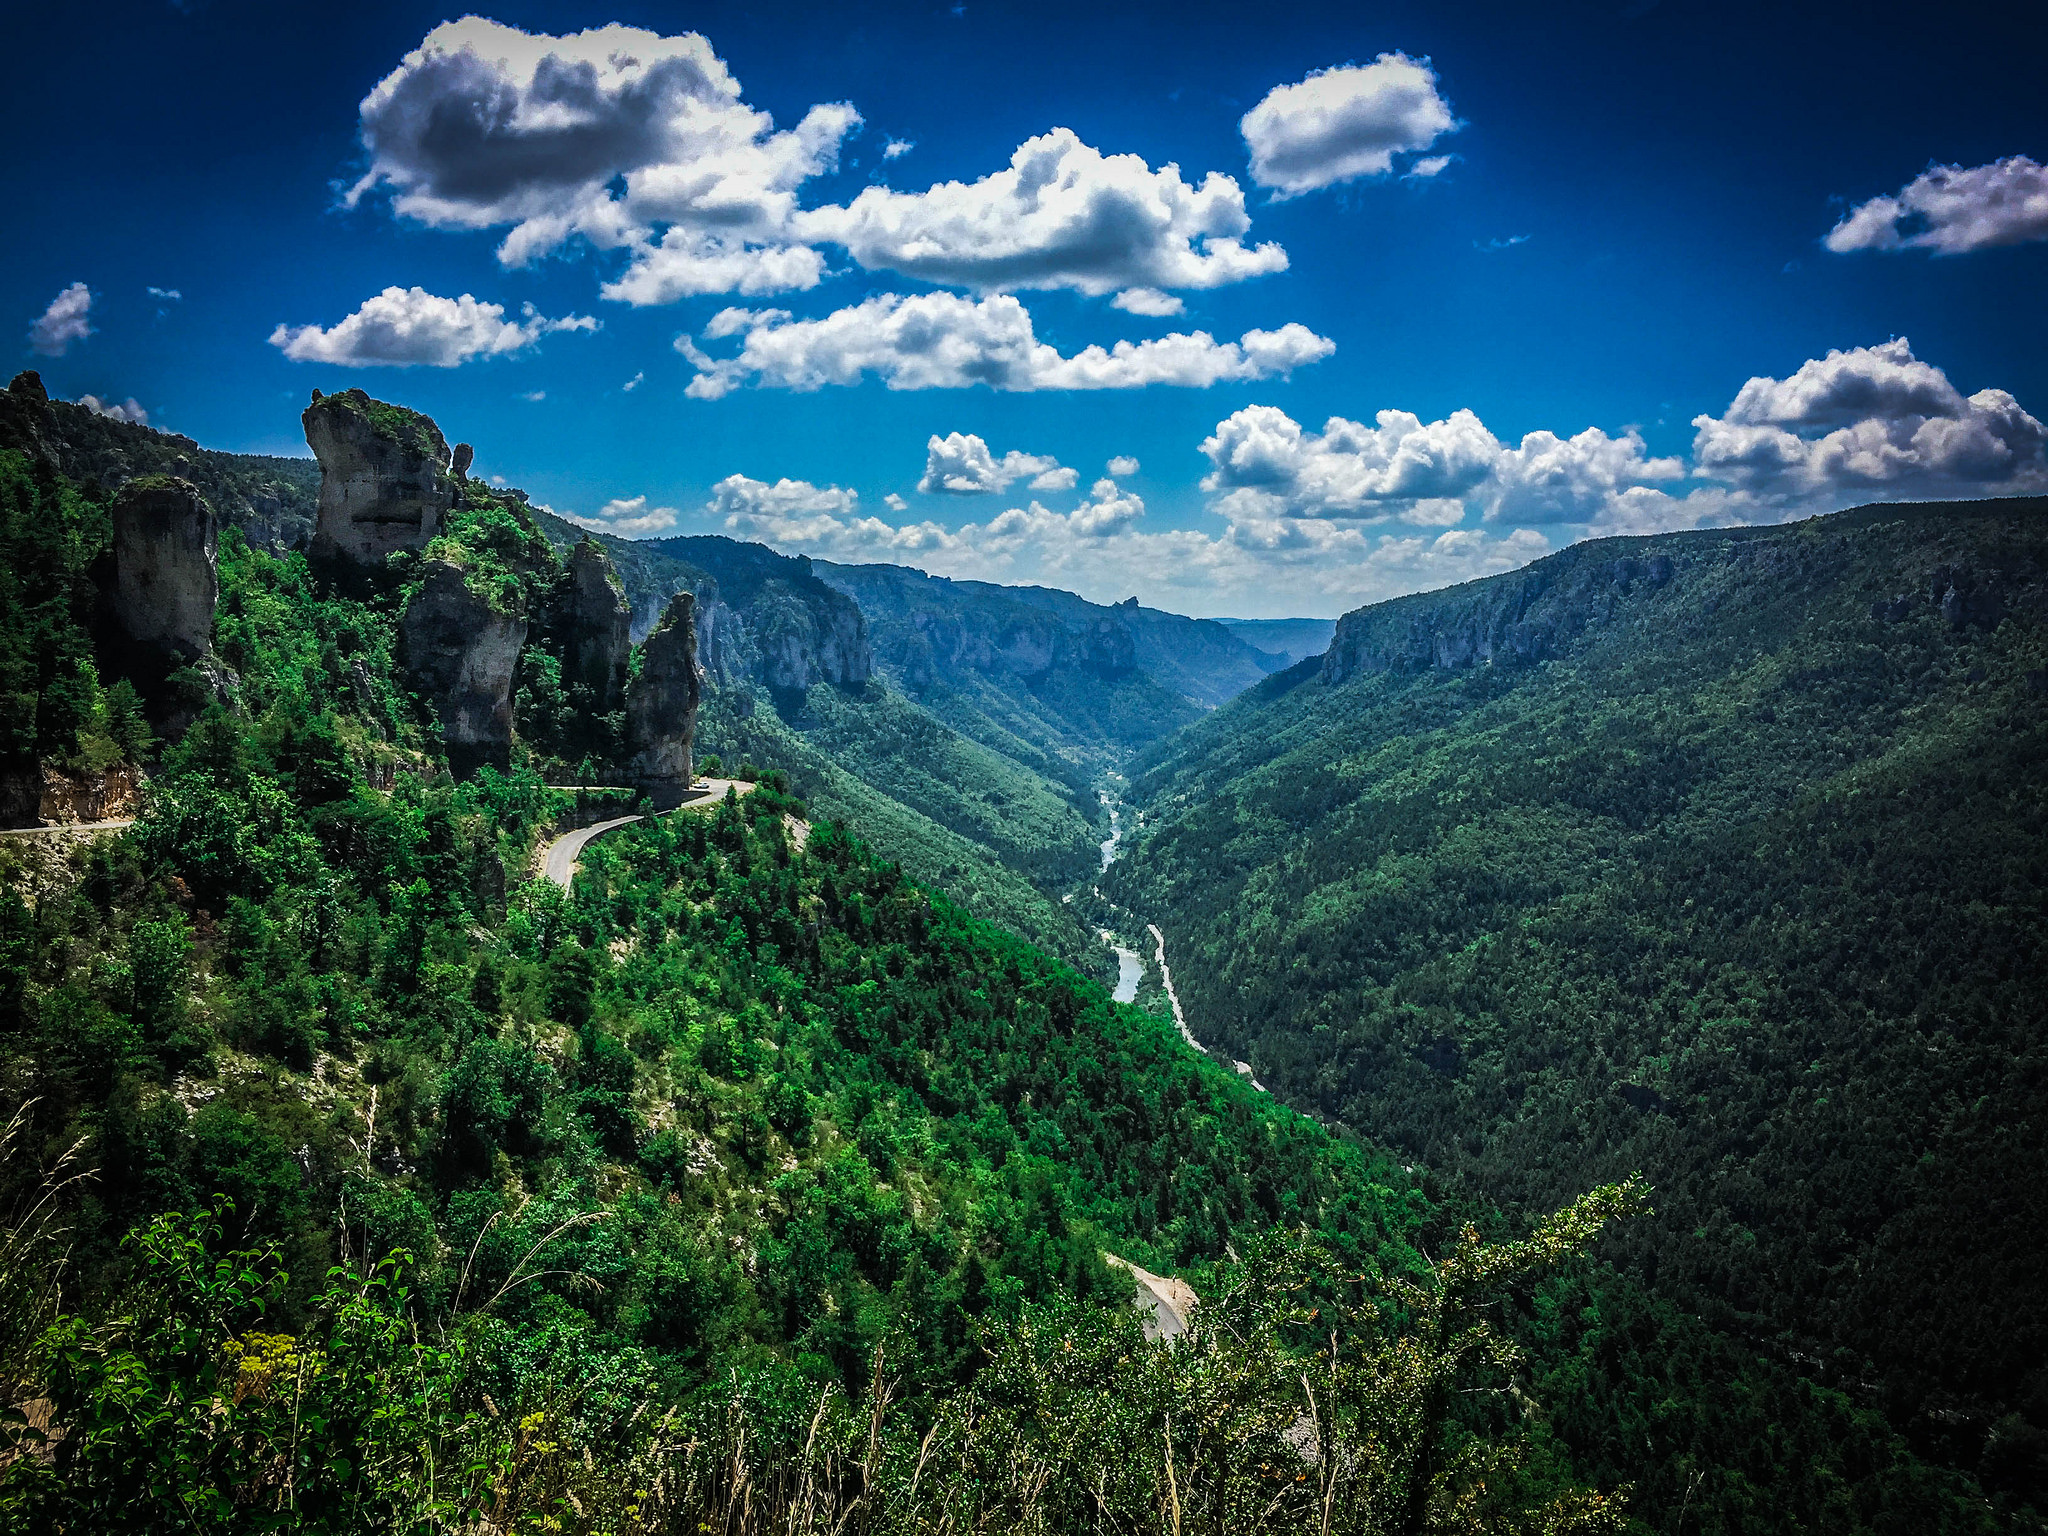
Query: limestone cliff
[
  {"x": 760, "y": 617},
  {"x": 461, "y": 654},
  {"x": 166, "y": 578},
  {"x": 802, "y": 643},
  {"x": 591, "y": 620},
  {"x": 1497, "y": 621},
  {"x": 934, "y": 630},
  {"x": 661, "y": 705},
  {"x": 385, "y": 477}
]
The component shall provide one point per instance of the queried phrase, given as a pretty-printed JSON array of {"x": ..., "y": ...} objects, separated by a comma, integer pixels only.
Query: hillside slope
[
  {"x": 751, "y": 1133},
  {"x": 1720, "y": 855}
]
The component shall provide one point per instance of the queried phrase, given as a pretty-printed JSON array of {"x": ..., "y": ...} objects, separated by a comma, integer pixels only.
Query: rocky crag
[
  {"x": 592, "y": 624},
  {"x": 932, "y": 629},
  {"x": 1541, "y": 612},
  {"x": 661, "y": 706},
  {"x": 780, "y": 625},
  {"x": 386, "y": 477},
  {"x": 762, "y": 619},
  {"x": 1494, "y": 623},
  {"x": 167, "y": 580},
  {"x": 461, "y": 653}
]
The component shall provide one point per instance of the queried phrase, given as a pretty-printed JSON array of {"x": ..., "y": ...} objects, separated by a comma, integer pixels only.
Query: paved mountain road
[{"x": 559, "y": 863}]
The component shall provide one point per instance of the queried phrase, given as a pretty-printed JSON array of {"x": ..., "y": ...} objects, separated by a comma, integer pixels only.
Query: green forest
[
  {"x": 1744, "y": 886},
  {"x": 356, "y": 1179},
  {"x": 356, "y": 1183}
]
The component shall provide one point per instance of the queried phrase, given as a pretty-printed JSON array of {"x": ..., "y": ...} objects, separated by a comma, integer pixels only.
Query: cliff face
[
  {"x": 385, "y": 477},
  {"x": 931, "y": 628},
  {"x": 804, "y": 641},
  {"x": 166, "y": 578},
  {"x": 661, "y": 706},
  {"x": 1497, "y": 621},
  {"x": 592, "y": 620},
  {"x": 461, "y": 654}
]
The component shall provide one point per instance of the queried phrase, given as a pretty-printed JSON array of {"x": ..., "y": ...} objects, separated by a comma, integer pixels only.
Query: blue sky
[{"x": 1608, "y": 224}]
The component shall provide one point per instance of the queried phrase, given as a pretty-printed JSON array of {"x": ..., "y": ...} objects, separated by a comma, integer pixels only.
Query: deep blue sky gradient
[{"x": 1673, "y": 167}]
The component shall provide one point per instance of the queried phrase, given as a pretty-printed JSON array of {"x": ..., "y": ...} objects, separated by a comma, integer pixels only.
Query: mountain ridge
[{"x": 1730, "y": 870}]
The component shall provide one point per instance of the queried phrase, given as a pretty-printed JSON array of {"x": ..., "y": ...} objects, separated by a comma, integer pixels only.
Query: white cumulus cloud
[
  {"x": 1264, "y": 466},
  {"x": 1102, "y": 550},
  {"x": 687, "y": 262},
  {"x": 1951, "y": 209},
  {"x": 619, "y": 135},
  {"x": 1264, "y": 463},
  {"x": 944, "y": 341},
  {"x": 65, "y": 321},
  {"x": 1341, "y": 124},
  {"x": 409, "y": 327},
  {"x": 628, "y": 517},
  {"x": 1061, "y": 215},
  {"x": 1552, "y": 479},
  {"x": 960, "y": 464},
  {"x": 121, "y": 410},
  {"x": 1148, "y": 301},
  {"x": 896, "y": 147},
  {"x": 1870, "y": 422},
  {"x": 1122, "y": 467}
]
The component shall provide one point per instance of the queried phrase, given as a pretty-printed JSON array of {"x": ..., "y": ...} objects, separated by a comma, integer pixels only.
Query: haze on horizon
[{"x": 1255, "y": 317}]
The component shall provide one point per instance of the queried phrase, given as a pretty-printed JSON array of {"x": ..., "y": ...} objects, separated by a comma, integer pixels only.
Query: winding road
[{"x": 559, "y": 863}]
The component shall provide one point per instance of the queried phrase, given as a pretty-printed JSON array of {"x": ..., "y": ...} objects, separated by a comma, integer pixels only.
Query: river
[{"x": 1130, "y": 970}]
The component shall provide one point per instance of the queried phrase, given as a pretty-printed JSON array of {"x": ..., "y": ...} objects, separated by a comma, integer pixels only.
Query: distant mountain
[
  {"x": 1093, "y": 681},
  {"x": 1720, "y": 855},
  {"x": 1289, "y": 639}
]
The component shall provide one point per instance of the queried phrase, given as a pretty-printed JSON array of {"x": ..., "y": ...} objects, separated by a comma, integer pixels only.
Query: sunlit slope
[{"x": 1719, "y": 855}]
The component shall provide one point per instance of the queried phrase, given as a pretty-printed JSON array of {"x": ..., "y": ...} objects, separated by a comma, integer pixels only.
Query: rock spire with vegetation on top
[
  {"x": 386, "y": 480},
  {"x": 661, "y": 705},
  {"x": 461, "y": 651}
]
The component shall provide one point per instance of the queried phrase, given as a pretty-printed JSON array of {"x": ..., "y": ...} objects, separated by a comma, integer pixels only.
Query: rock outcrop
[
  {"x": 1498, "y": 621},
  {"x": 804, "y": 642},
  {"x": 661, "y": 706},
  {"x": 461, "y": 654},
  {"x": 167, "y": 580},
  {"x": 592, "y": 620},
  {"x": 929, "y": 643},
  {"x": 385, "y": 477}
]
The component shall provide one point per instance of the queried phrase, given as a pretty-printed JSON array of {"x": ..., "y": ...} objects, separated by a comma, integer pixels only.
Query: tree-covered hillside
[
  {"x": 358, "y": 1181},
  {"x": 269, "y": 498},
  {"x": 1719, "y": 855},
  {"x": 996, "y": 820}
]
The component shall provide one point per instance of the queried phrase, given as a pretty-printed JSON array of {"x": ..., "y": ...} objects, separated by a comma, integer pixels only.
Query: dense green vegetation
[
  {"x": 270, "y": 499},
  {"x": 356, "y": 1183},
  {"x": 52, "y": 703},
  {"x": 1746, "y": 887}
]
